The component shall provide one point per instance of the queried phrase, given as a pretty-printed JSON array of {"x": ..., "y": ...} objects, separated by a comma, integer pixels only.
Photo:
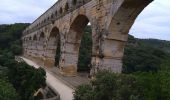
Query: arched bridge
[{"x": 61, "y": 27}]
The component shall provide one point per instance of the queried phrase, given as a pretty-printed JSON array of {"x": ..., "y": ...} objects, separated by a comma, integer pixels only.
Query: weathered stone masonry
[{"x": 65, "y": 21}]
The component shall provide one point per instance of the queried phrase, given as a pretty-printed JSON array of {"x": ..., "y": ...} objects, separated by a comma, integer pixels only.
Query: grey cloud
[{"x": 153, "y": 22}]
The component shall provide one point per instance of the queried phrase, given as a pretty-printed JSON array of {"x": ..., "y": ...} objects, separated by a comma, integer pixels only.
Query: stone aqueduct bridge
[{"x": 65, "y": 21}]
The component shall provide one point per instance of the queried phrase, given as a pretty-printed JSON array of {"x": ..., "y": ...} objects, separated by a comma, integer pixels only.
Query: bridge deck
[{"x": 81, "y": 78}]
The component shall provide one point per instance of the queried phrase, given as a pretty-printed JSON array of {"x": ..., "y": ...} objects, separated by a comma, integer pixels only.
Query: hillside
[
  {"x": 161, "y": 44},
  {"x": 10, "y": 37}
]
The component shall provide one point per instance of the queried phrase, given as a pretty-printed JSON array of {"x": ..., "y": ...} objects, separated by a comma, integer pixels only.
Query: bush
[
  {"x": 144, "y": 59},
  {"x": 7, "y": 92},
  {"x": 26, "y": 79},
  {"x": 109, "y": 86},
  {"x": 138, "y": 86}
]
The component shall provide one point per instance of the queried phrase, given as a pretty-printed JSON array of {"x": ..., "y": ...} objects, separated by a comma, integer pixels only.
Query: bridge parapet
[{"x": 58, "y": 10}]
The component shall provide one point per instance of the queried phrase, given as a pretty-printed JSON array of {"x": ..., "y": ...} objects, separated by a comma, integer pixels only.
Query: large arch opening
[
  {"x": 80, "y": 39},
  {"x": 117, "y": 33},
  {"x": 42, "y": 41},
  {"x": 144, "y": 50},
  {"x": 137, "y": 54},
  {"x": 35, "y": 45},
  {"x": 35, "y": 38},
  {"x": 42, "y": 37},
  {"x": 53, "y": 48}
]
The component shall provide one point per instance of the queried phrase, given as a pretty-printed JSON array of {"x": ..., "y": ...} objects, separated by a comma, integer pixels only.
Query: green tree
[
  {"x": 138, "y": 57},
  {"x": 26, "y": 79},
  {"x": 109, "y": 86},
  {"x": 7, "y": 92},
  {"x": 85, "y": 52}
]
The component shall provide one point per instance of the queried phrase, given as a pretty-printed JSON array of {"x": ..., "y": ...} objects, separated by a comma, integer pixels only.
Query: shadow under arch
[
  {"x": 42, "y": 36},
  {"x": 35, "y": 37},
  {"x": 74, "y": 41},
  {"x": 53, "y": 48},
  {"x": 40, "y": 47}
]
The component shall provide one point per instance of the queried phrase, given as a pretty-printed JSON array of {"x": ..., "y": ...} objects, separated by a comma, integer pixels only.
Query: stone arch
[
  {"x": 41, "y": 46},
  {"x": 66, "y": 7},
  {"x": 61, "y": 11},
  {"x": 30, "y": 38},
  {"x": 54, "y": 33},
  {"x": 52, "y": 16},
  {"x": 34, "y": 45},
  {"x": 24, "y": 40},
  {"x": 35, "y": 37},
  {"x": 116, "y": 35},
  {"x": 56, "y": 13},
  {"x": 73, "y": 44},
  {"x": 53, "y": 44},
  {"x": 42, "y": 36},
  {"x": 125, "y": 16},
  {"x": 77, "y": 26}
]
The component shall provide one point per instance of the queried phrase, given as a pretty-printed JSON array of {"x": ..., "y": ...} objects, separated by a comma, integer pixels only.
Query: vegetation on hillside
[
  {"x": 84, "y": 62},
  {"x": 143, "y": 57},
  {"x": 139, "y": 86},
  {"x": 18, "y": 81}
]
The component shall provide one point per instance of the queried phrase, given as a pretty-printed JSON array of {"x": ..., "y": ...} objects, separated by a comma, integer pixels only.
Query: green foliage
[
  {"x": 139, "y": 57},
  {"x": 16, "y": 48},
  {"x": 138, "y": 86},
  {"x": 10, "y": 37},
  {"x": 7, "y": 92},
  {"x": 84, "y": 92},
  {"x": 109, "y": 86},
  {"x": 26, "y": 79},
  {"x": 160, "y": 44},
  {"x": 85, "y": 53},
  {"x": 17, "y": 78},
  {"x": 3, "y": 73},
  {"x": 155, "y": 86},
  {"x": 166, "y": 63}
]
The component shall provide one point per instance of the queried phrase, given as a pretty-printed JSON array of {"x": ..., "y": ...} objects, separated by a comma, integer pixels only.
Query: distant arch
[
  {"x": 30, "y": 38},
  {"x": 54, "y": 46},
  {"x": 66, "y": 7},
  {"x": 52, "y": 16},
  {"x": 56, "y": 13},
  {"x": 61, "y": 10},
  {"x": 42, "y": 36},
  {"x": 54, "y": 33},
  {"x": 35, "y": 38}
]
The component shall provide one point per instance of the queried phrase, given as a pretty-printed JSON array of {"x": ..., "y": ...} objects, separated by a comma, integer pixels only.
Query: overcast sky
[{"x": 153, "y": 22}]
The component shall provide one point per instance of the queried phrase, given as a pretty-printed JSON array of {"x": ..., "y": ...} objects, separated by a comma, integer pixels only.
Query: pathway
[{"x": 66, "y": 93}]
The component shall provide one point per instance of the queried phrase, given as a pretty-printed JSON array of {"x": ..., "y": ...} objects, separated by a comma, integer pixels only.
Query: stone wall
[{"x": 110, "y": 20}]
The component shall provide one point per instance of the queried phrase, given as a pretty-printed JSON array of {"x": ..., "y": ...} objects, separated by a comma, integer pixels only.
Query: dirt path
[{"x": 66, "y": 93}]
